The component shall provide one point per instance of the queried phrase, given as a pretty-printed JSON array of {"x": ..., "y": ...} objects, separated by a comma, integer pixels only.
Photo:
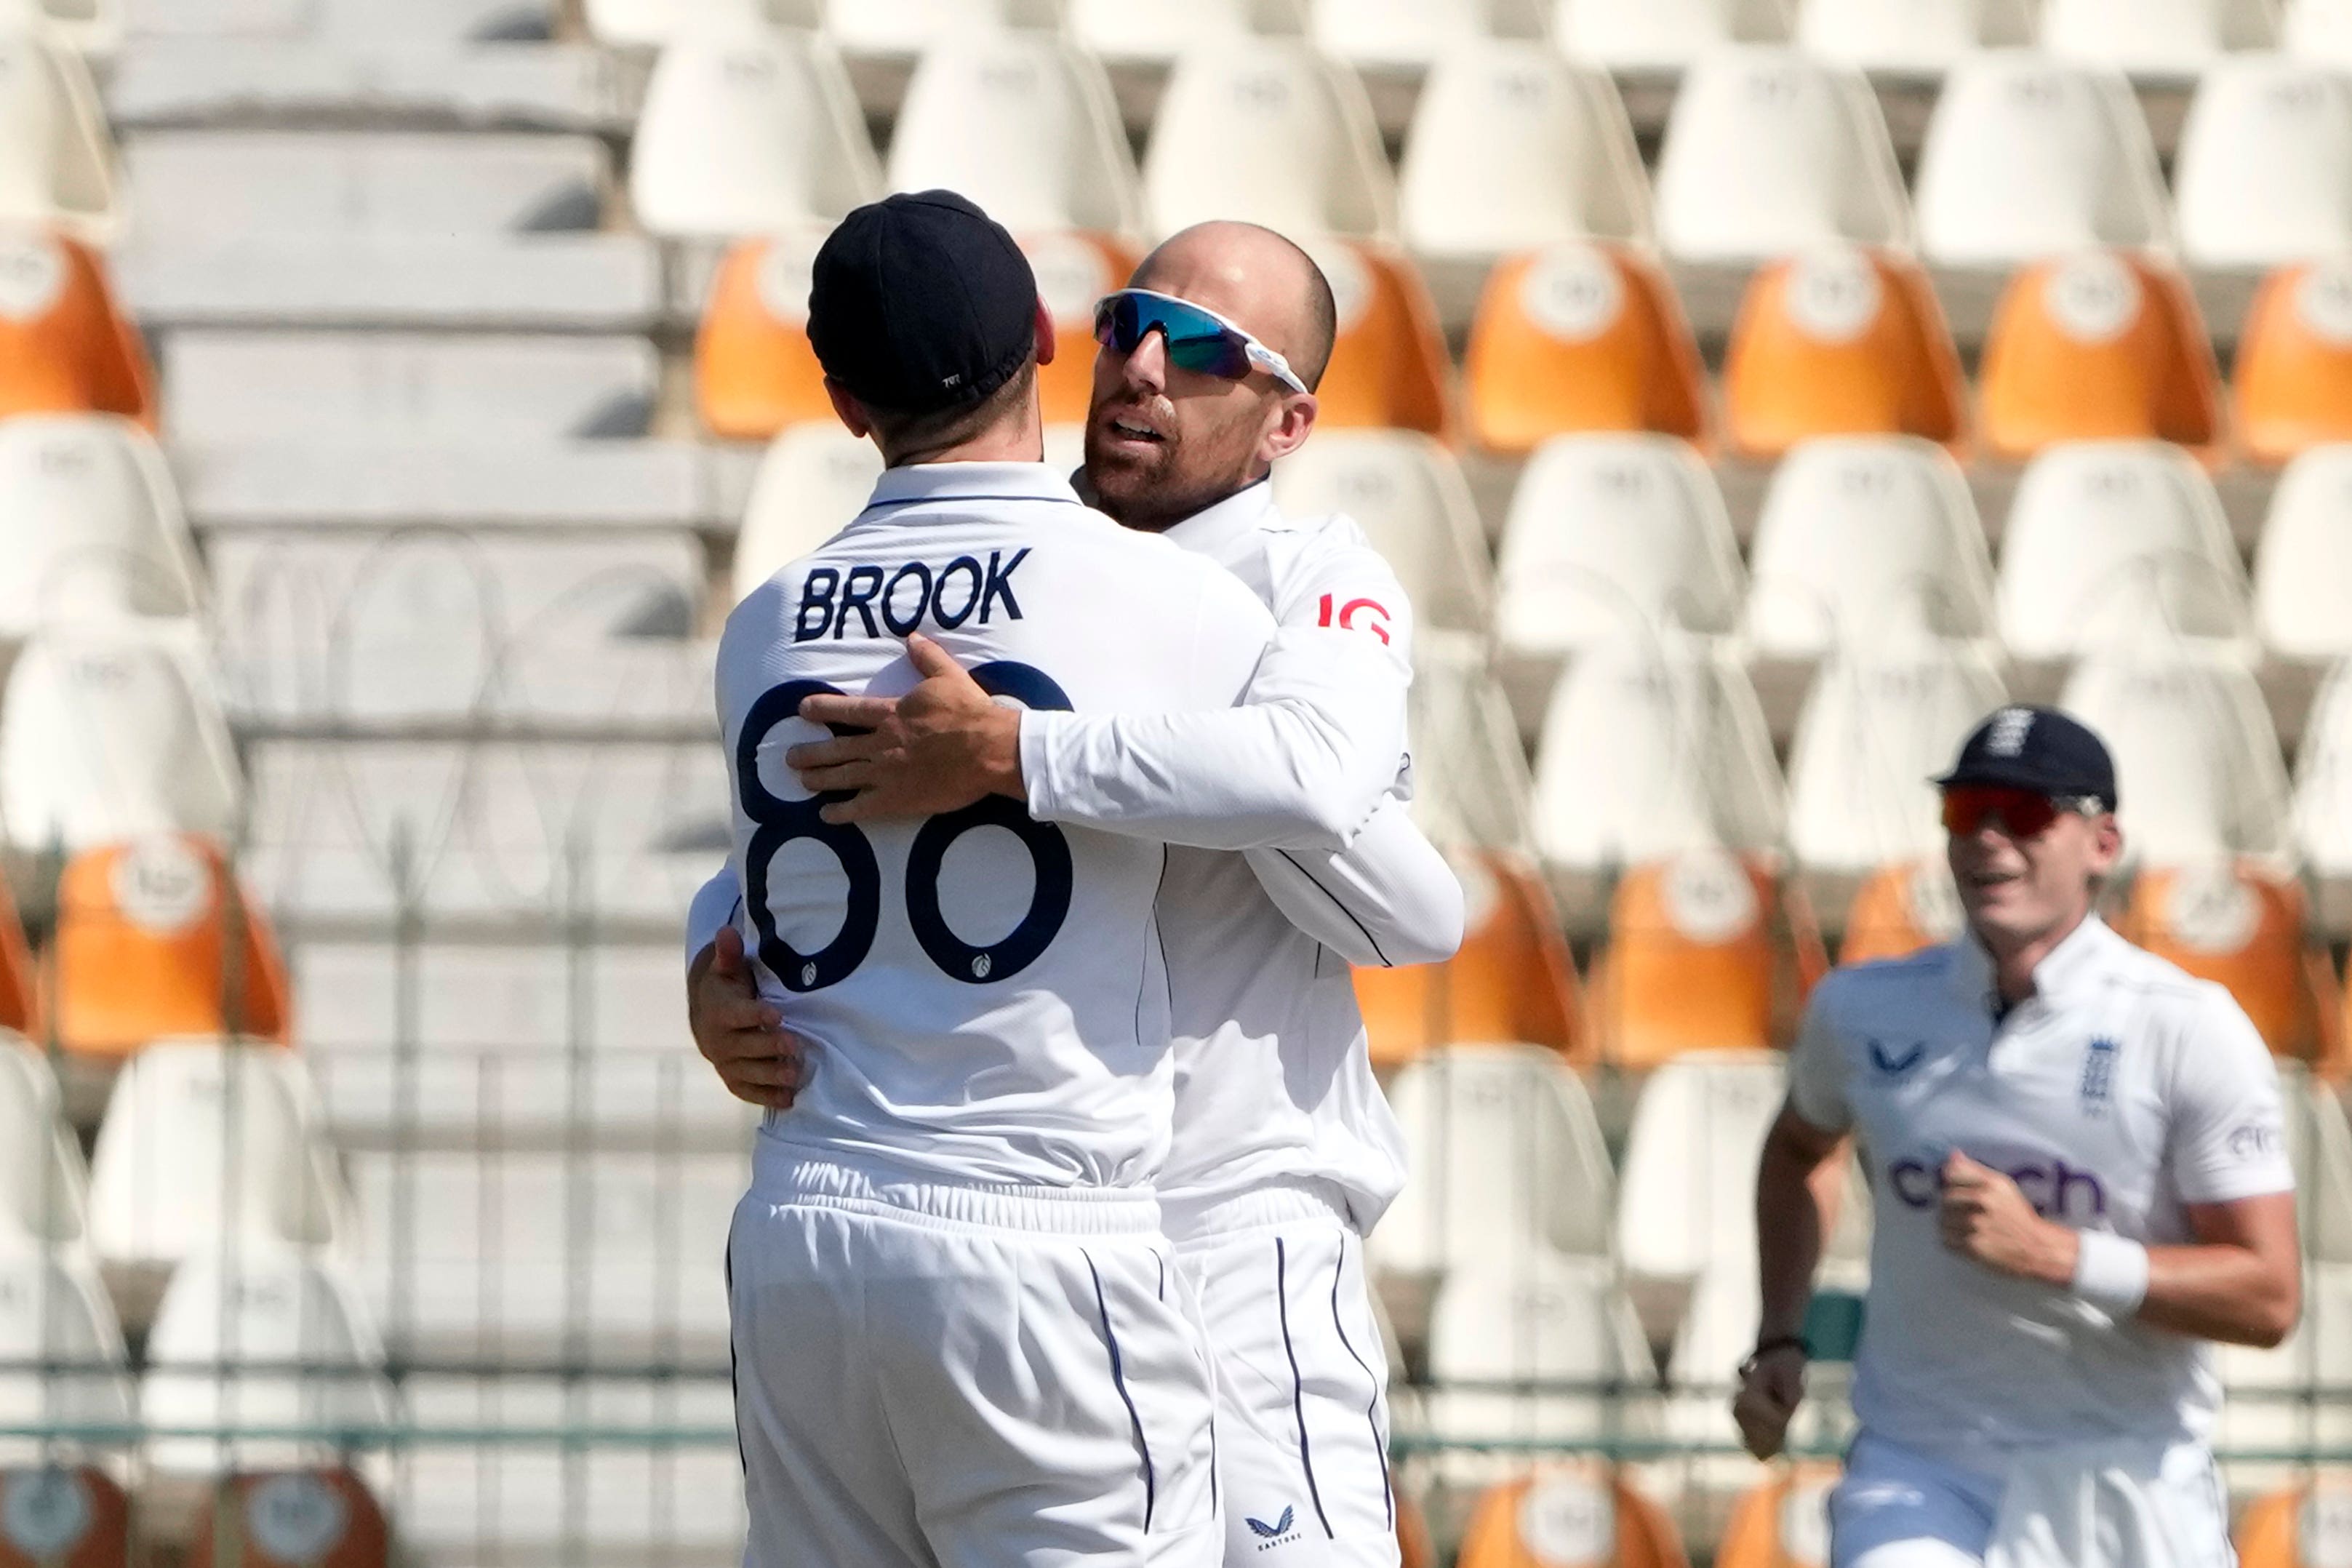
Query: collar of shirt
[
  {"x": 970, "y": 481},
  {"x": 2063, "y": 970},
  {"x": 1208, "y": 531}
]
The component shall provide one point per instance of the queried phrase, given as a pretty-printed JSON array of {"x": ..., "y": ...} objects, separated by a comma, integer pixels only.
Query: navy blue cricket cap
[
  {"x": 2039, "y": 749},
  {"x": 921, "y": 302}
]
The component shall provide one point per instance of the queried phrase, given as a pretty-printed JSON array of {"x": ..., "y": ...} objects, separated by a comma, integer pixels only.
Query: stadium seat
[
  {"x": 2323, "y": 797},
  {"x": 1025, "y": 124},
  {"x": 1226, "y": 103},
  {"x": 1864, "y": 540},
  {"x": 1698, "y": 961},
  {"x": 1686, "y": 1196},
  {"x": 2243, "y": 927},
  {"x": 291, "y": 1518},
  {"x": 108, "y": 732},
  {"x": 19, "y": 1002},
  {"x": 57, "y": 165},
  {"x": 1513, "y": 978},
  {"x": 2319, "y": 1147},
  {"x": 1648, "y": 751},
  {"x": 1388, "y": 369},
  {"x": 92, "y": 523},
  {"x": 2263, "y": 175},
  {"x": 208, "y": 1149},
  {"x": 1784, "y": 1522},
  {"x": 1898, "y": 909},
  {"x": 2300, "y": 1526},
  {"x": 1470, "y": 774},
  {"x": 1609, "y": 538},
  {"x": 1538, "y": 1318},
  {"x": 2098, "y": 345},
  {"x": 1507, "y": 1160},
  {"x": 1877, "y": 725},
  {"x": 1407, "y": 494},
  {"x": 229, "y": 388},
  {"x": 2160, "y": 38},
  {"x": 604, "y": 1259},
  {"x": 749, "y": 132},
  {"x": 1513, "y": 148},
  {"x": 74, "y": 1516},
  {"x": 2027, "y": 156},
  {"x": 1405, "y": 35},
  {"x": 1665, "y": 36},
  {"x": 1837, "y": 342},
  {"x": 44, "y": 1189},
  {"x": 648, "y": 24},
  {"x": 65, "y": 344},
  {"x": 2319, "y": 29},
  {"x": 1154, "y": 32},
  {"x": 53, "y": 1309},
  {"x": 2191, "y": 734},
  {"x": 2303, "y": 566},
  {"x": 1768, "y": 152},
  {"x": 1569, "y": 1514},
  {"x": 258, "y": 1343},
  {"x": 1924, "y": 38},
  {"x": 814, "y": 477},
  {"x": 2116, "y": 541},
  {"x": 1581, "y": 337},
  {"x": 754, "y": 369},
  {"x": 2293, "y": 373}
]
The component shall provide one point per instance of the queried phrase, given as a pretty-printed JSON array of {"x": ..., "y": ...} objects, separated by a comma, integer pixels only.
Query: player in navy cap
[{"x": 2079, "y": 1181}]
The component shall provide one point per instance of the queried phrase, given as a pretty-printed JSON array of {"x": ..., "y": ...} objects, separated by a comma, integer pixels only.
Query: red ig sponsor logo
[{"x": 1371, "y": 613}]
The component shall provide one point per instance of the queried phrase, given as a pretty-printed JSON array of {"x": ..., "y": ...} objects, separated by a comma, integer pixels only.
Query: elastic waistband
[
  {"x": 1283, "y": 1201},
  {"x": 789, "y": 1173}
]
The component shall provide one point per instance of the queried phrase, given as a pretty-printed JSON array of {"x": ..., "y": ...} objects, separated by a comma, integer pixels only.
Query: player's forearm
[
  {"x": 1387, "y": 899},
  {"x": 2223, "y": 1292},
  {"x": 1789, "y": 1226}
]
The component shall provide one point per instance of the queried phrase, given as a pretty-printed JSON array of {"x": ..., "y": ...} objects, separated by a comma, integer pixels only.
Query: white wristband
[{"x": 2111, "y": 1272}]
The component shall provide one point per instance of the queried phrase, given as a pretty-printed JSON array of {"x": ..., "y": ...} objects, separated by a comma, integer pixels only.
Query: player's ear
[
  {"x": 1045, "y": 342},
  {"x": 847, "y": 409},
  {"x": 2106, "y": 844},
  {"x": 1293, "y": 421}
]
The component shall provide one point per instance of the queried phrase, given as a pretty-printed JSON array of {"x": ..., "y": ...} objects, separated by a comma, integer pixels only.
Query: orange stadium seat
[
  {"x": 1073, "y": 270},
  {"x": 65, "y": 346},
  {"x": 2293, "y": 379},
  {"x": 1513, "y": 979},
  {"x": 1897, "y": 911},
  {"x": 1781, "y": 1524},
  {"x": 1568, "y": 1514},
  {"x": 1694, "y": 962},
  {"x": 1389, "y": 368},
  {"x": 1415, "y": 1549},
  {"x": 145, "y": 949},
  {"x": 19, "y": 999},
  {"x": 291, "y": 1518},
  {"x": 1840, "y": 342},
  {"x": 2301, "y": 1526},
  {"x": 63, "y": 1518},
  {"x": 2242, "y": 928},
  {"x": 2100, "y": 345},
  {"x": 1581, "y": 337},
  {"x": 754, "y": 371}
]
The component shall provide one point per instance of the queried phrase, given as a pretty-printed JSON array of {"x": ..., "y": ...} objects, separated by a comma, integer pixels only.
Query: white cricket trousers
[
  {"x": 1302, "y": 1377},
  {"x": 966, "y": 1376}
]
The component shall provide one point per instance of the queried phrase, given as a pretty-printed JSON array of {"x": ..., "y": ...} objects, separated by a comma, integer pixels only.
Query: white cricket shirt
[
  {"x": 985, "y": 992},
  {"x": 2120, "y": 1091}
]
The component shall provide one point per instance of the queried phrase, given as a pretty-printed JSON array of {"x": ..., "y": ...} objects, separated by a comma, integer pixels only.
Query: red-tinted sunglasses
[{"x": 2023, "y": 813}]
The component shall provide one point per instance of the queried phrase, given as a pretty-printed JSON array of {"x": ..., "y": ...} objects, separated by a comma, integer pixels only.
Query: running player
[
  {"x": 1285, "y": 1152},
  {"x": 2079, "y": 1179}
]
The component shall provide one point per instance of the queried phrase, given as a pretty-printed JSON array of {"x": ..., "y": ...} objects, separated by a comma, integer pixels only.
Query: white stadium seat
[
  {"x": 2319, "y": 1145},
  {"x": 814, "y": 477},
  {"x": 108, "y": 732},
  {"x": 1663, "y": 34},
  {"x": 2302, "y": 565},
  {"x": 1533, "y": 1318},
  {"x": 1513, "y": 148},
  {"x": 1226, "y": 104},
  {"x": 1154, "y": 32},
  {"x": 1407, "y": 494},
  {"x": 652, "y": 22},
  {"x": 54, "y": 1309},
  {"x": 2202, "y": 777},
  {"x": 2264, "y": 171},
  {"x": 1026, "y": 126},
  {"x": 604, "y": 1258},
  {"x": 1408, "y": 35},
  {"x": 1610, "y": 537},
  {"x": 2318, "y": 30},
  {"x": 1915, "y": 37},
  {"x": 56, "y": 163},
  {"x": 1687, "y": 1196},
  {"x": 2156, "y": 38},
  {"x": 747, "y": 133},
  {"x": 2026, "y": 156},
  {"x": 2323, "y": 784},
  {"x": 91, "y": 523},
  {"x": 44, "y": 1190},
  {"x": 2116, "y": 541},
  {"x": 1863, "y": 537},
  {"x": 1470, "y": 773},
  {"x": 1876, "y": 726},
  {"x": 1506, "y": 1161},
  {"x": 229, "y": 388},
  {"x": 1768, "y": 152},
  {"x": 1651, "y": 749}
]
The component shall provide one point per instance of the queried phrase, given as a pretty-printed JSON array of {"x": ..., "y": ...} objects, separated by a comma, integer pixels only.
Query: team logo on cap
[{"x": 2010, "y": 726}]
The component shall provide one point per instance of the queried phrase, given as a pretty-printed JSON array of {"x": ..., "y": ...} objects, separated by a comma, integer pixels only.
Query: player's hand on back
[
  {"x": 737, "y": 1033},
  {"x": 1983, "y": 1216},
  {"x": 940, "y": 748},
  {"x": 1771, "y": 1386}
]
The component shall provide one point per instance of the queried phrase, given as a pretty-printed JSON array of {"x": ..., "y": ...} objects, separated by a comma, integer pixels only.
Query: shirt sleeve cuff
[{"x": 1038, "y": 729}]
